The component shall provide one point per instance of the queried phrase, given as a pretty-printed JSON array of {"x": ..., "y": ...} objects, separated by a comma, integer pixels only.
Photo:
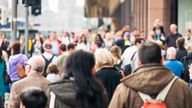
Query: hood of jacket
[
  {"x": 149, "y": 79},
  {"x": 64, "y": 91}
]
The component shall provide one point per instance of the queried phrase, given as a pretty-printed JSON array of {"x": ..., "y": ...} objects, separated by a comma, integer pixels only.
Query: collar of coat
[{"x": 149, "y": 79}]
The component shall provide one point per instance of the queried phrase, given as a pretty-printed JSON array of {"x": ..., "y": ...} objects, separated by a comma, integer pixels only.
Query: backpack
[
  {"x": 186, "y": 61},
  {"x": 159, "y": 102},
  {"x": 47, "y": 62},
  {"x": 127, "y": 68}
]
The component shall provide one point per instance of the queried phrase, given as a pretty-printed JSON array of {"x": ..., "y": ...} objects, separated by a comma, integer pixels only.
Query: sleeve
[
  {"x": 51, "y": 99},
  {"x": 8, "y": 67},
  {"x": 188, "y": 97},
  {"x": 5, "y": 66},
  {"x": 14, "y": 97},
  {"x": 120, "y": 96}
]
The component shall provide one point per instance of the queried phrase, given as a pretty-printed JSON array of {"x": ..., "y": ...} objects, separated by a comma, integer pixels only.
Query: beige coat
[
  {"x": 34, "y": 80},
  {"x": 151, "y": 79}
]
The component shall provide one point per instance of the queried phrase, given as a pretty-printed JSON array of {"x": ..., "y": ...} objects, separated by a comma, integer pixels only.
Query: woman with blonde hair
[
  {"x": 116, "y": 52},
  {"x": 106, "y": 73}
]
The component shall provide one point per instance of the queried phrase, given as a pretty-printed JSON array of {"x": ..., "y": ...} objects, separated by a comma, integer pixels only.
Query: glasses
[{"x": 26, "y": 64}]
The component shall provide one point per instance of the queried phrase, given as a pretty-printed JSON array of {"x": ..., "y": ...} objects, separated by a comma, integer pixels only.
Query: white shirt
[
  {"x": 48, "y": 57},
  {"x": 66, "y": 40},
  {"x": 83, "y": 46},
  {"x": 127, "y": 55},
  {"x": 53, "y": 77}
]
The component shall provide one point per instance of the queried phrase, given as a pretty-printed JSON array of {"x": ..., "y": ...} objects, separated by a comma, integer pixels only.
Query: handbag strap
[
  {"x": 133, "y": 55},
  {"x": 20, "y": 58}
]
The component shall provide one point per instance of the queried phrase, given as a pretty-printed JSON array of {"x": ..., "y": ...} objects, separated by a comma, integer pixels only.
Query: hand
[{"x": 190, "y": 71}]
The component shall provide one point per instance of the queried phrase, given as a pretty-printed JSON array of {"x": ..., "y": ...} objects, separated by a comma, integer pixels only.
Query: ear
[
  {"x": 93, "y": 70},
  {"x": 162, "y": 59},
  {"x": 138, "y": 63}
]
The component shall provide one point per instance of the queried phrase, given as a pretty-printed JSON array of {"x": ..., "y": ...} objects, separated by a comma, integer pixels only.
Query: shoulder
[
  {"x": 182, "y": 85},
  {"x": 179, "y": 63},
  {"x": 24, "y": 57},
  {"x": 18, "y": 85},
  {"x": 166, "y": 62},
  {"x": 121, "y": 92},
  {"x": 62, "y": 84}
]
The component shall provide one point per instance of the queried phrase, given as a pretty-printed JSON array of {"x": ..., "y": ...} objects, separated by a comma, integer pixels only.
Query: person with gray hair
[
  {"x": 34, "y": 69},
  {"x": 172, "y": 63},
  {"x": 105, "y": 71},
  {"x": 171, "y": 38}
]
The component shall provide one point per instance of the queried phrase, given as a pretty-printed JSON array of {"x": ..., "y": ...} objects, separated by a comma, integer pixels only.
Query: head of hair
[
  {"x": 139, "y": 40},
  {"x": 3, "y": 36},
  {"x": 72, "y": 33},
  {"x": 171, "y": 53},
  {"x": 189, "y": 48},
  {"x": 180, "y": 42},
  {"x": 33, "y": 98},
  {"x": 189, "y": 30},
  {"x": 47, "y": 46},
  {"x": 70, "y": 46},
  {"x": 103, "y": 57},
  {"x": 173, "y": 27},
  {"x": 116, "y": 51},
  {"x": 37, "y": 64},
  {"x": 98, "y": 37},
  {"x": 81, "y": 39},
  {"x": 16, "y": 47},
  {"x": 149, "y": 52},
  {"x": 160, "y": 43},
  {"x": 60, "y": 63},
  {"x": 98, "y": 44},
  {"x": 89, "y": 91},
  {"x": 75, "y": 64},
  {"x": 63, "y": 47},
  {"x": 52, "y": 68},
  {"x": 119, "y": 34}
]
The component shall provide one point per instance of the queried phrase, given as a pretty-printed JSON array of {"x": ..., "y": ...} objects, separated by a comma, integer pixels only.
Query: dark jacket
[
  {"x": 120, "y": 43},
  {"x": 171, "y": 39},
  {"x": 151, "y": 79},
  {"x": 186, "y": 61},
  {"x": 181, "y": 53},
  {"x": 65, "y": 95},
  {"x": 110, "y": 78}
]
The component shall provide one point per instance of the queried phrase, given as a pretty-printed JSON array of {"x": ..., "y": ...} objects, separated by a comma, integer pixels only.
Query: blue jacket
[{"x": 175, "y": 66}]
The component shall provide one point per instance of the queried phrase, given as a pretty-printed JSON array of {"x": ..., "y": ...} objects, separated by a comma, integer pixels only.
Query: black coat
[
  {"x": 181, "y": 53},
  {"x": 110, "y": 78},
  {"x": 171, "y": 39}
]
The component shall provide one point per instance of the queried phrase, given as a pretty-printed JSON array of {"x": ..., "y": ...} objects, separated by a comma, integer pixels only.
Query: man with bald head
[
  {"x": 172, "y": 36},
  {"x": 33, "y": 69},
  {"x": 172, "y": 63}
]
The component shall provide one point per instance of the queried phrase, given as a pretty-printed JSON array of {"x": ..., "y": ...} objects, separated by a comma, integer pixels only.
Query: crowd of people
[{"x": 97, "y": 70}]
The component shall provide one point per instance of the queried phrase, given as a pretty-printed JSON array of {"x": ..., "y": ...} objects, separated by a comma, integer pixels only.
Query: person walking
[
  {"x": 150, "y": 78},
  {"x": 79, "y": 88}
]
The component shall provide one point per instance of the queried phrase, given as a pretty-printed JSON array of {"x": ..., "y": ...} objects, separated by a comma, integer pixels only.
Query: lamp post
[
  {"x": 26, "y": 29},
  {"x": 14, "y": 20}
]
